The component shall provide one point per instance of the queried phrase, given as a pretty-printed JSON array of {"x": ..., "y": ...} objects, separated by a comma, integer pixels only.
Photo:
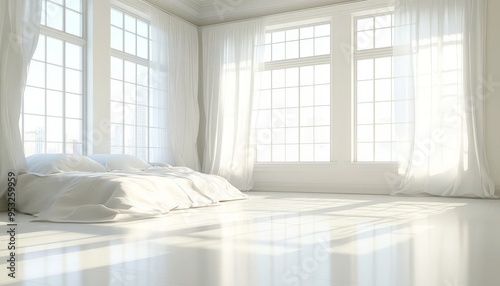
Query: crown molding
[{"x": 208, "y": 12}]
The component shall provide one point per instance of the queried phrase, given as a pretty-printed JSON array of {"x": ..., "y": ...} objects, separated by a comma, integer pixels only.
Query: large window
[
  {"x": 380, "y": 120},
  {"x": 135, "y": 112},
  {"x": 52, "y": 115},
  {"x": 293, "y": 102}
]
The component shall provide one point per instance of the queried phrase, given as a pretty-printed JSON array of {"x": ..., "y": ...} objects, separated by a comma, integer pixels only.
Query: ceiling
[{"x": 207, "y": 12}]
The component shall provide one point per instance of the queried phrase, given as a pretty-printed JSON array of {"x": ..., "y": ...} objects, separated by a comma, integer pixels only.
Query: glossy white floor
[{"x": 272, "y": 239}]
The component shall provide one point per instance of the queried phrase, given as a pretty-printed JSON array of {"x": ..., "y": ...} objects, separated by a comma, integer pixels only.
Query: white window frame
[
  {"x": 153, "y": 151},
  {"x": 342, "y": 174},
  {"x": 75, "y": 40},
  {"x": 308, "y": 61}
]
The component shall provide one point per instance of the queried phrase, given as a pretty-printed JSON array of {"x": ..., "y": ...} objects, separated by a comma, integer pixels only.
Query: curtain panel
[
  {"x": 174, "y": 79},
  {"x": 19, "y": 30},
  {"x": 232, "y": 53},
  {"x": 438, "y": 68}
]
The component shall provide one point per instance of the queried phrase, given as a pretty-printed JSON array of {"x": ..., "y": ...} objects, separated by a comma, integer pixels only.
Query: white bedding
[{"x": 114, "y": 196}]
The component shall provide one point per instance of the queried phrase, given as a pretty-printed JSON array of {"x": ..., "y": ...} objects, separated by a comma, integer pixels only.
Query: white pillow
[
  {"x": 58, "y": 163},
  {"x": 120, "y": 162}
]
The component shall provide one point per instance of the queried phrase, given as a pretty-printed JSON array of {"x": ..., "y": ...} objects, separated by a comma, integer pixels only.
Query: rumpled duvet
[{"x": 117, "y": 196}]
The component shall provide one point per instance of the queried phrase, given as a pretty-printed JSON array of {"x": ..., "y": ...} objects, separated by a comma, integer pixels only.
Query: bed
[{"x": 104, "y": 188}]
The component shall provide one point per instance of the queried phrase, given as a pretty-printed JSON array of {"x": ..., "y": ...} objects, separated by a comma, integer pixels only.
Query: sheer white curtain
[
  {"x": 174, "y": 68},
  {"x": 19, "y": 29},
  {"x": 231, "y": 56},
  {"x": 439, "y": 58}
]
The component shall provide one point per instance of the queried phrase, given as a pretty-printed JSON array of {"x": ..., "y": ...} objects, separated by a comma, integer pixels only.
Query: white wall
[{"x": 492, "y": 124}]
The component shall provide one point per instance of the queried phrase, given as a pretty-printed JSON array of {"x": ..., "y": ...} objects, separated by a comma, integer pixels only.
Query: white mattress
[{"x": 116, "y": 196}]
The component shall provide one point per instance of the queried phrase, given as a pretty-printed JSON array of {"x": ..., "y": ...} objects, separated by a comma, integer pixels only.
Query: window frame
[
  {"x": 80, "y": 41},
  {"x": 299, "y": 62},
  {"x": 343, "y": 174},
  {"x": 137, "y": 60}
]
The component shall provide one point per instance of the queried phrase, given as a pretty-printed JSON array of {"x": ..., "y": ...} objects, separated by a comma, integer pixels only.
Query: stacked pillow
[
  {"x": 60, "y": 163},
  {"x": 98, "y": 163},
  {"x": 120, "y": 162}
]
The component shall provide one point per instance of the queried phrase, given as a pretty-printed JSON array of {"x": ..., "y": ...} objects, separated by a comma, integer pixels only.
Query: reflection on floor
[{"x": 271, "y": 239}]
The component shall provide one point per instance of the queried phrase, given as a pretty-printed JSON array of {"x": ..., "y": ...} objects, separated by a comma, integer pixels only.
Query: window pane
[
  {"x": 292, "y": 77},
  {"x": 142, "y": 48},
  {"x": 130, "y": 114},
  {"x": 278, "y": 52},
  {"x": 40, "y": 49},
  {"x": 292, "y": 35},
  {"x": 307, "y": 152},
  {"x": 55, "y": 54},
  {"x": 116, "y": 112},
  {"x": 116, "y": 18},
  {"x": 365, "y": 91},
  {"x": 116, "y": 39},
  {"x": 322, "y": 94},
  {"x": 383, "y": 112},
  {"x": 55, "y": 129},
  {"x": 365, "y": 24},
  {"x": 129, "y": 23},
  {"x": 130, "y": 72},
  {"x": 55, "y": 77},
  {"x": 73, "y": 56},
  {"x": 365, "y": 133},
  {"x": 365, "y": 40},
  {"x": 116, "y": 68},
  {"x": 322, "y": 152},
  {"x": 130, "y": 93},
  {"x": 116, "y": 90},
  {"x": 74, "y": 4},
  {"x": 306, "y": 33},
  {"x": 292, "y": 136},
  {"x": 383, "y": 90},
  {"x": 73, "y": 81},
  {"x": 73, "y": 105},
  {"x": 55, "y": 16},
  {"x": 307, "y": 75},
  {"x": 365, "y": 152},
  {"x": 73, "y": 23},
  {"x": 54, "y": 103},
  {"x": 322, "y": 74},
  {"x": 34, "y": 100},
  {"x": 130, "y": 135},
  {"x": 278, "y": 136},
  {"x": 383, "y": 67},
  {"x": 292, "y": 153},
  {"x": 322, "y": 134},
  {"x": 278, "y": 37},
  {"x": 292, "y": 50},
  {"x": 73, "y": 131},
  {"x": 322, "y": 30},
  {"x": 322, "y": 46},
  {"x": 383, "y": 21},
  {"x": 278, "y": 79},
  {"x": 142, "y": 29},
  {"x": 383, "y": 38},
  {"x": 365, "y": 113},
  {"x": 130, "y": 43},
  {"x": 36, "y": 75},
  {"x": 365, "y": 69},
  {"x": 306, "y": 48},
  {"x": 383, "y": 133}
]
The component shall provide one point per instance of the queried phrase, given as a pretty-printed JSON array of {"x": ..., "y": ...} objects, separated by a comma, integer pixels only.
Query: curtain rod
[{"x": 167, "y": 12}]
